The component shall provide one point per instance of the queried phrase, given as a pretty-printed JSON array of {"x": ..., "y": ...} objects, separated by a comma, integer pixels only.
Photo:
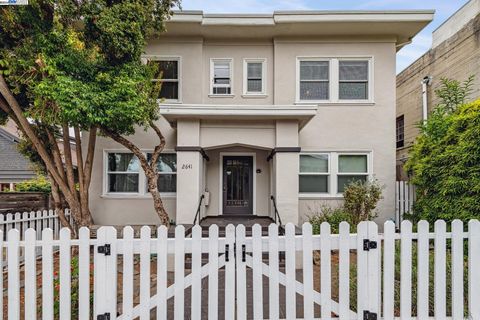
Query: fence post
[{"x": 105, "y": 273}]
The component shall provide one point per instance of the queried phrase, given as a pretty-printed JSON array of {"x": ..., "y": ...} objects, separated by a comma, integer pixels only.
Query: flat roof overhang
[
  {"x": 399, "y": 25},
  {"x": 303, "y": 114}
]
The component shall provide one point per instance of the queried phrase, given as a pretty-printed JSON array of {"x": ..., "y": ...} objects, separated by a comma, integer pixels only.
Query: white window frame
[
  {"x": 246, "y": 61},
  {"x": 334, "y": 173},
  {"x": 327, "y": 174},
  {"x": 147, "y": 58},
  {"x": 212, "y": 72},
  {"x": 142, "y": 180},
  {"x": 334, "y": 83}
]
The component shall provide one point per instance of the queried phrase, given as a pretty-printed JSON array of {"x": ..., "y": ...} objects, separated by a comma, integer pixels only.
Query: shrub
[
  {"x": 445, "y": 165},
  {"x": 38, "y": 184},
  {"x": 360, "y": 200}
]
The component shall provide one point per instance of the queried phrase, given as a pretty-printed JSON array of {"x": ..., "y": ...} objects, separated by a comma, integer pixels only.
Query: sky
[{"x": 421, "y": 43}]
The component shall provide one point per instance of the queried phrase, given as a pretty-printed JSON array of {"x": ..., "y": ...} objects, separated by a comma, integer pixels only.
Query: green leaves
[
  {"x": 445, "y": 159},
  {"x": 78, "y": 63}
]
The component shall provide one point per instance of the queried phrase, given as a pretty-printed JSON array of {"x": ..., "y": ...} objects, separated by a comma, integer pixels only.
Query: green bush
[
  {"x": 360, "y": 200},
  {"x": 38, "y": 184},
  {"x": 445, "y": 164}
]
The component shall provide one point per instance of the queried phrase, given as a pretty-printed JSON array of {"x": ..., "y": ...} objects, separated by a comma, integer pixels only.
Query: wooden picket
[
  {"x": 165, "y": 275},
  {"x": 404, "y": 200}
]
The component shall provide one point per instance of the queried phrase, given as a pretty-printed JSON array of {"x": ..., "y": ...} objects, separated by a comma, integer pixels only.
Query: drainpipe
[{"x": 426, "y": 81}]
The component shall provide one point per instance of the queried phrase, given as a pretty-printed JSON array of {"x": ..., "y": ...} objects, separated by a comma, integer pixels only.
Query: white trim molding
[{"x": 262, "y": 93}]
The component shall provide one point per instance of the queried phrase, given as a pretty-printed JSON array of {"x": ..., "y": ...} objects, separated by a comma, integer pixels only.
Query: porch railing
[
  {"x": 197, "y": 214},
  {"x": 276, "y": 216}
]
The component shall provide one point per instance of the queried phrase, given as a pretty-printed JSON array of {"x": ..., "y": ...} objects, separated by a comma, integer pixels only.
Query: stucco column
[
  {"x": 189, "y": 170},
  {"x": 286, "y": 162}
]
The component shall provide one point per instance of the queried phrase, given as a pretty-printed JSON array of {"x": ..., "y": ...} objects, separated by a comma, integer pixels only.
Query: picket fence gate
[
  {"x": 247, "y": 277},
  {"x": 404, "y": 200}
]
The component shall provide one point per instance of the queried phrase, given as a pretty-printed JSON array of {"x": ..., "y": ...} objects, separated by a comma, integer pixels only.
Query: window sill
[
  {"x": 336, "y": 103},
  {"x": 221, "y": 95},
  {"x": 162, "y": 101},
  {"x": 132, "y": 196},
  {"x": 254, "y": 96},
  {"x": 305, "y": 196}
]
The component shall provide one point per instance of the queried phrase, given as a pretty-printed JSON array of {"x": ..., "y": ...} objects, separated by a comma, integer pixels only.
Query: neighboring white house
[{"x": 291, "y": 104}]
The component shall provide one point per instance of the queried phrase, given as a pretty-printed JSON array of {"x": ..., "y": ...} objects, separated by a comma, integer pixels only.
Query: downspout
[{"x": 426, "y": 81}]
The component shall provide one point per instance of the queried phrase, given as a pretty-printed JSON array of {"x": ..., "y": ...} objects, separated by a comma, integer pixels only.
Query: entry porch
[{"x": 236, "y": 161}]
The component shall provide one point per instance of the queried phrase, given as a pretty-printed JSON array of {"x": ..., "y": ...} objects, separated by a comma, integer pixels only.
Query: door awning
[{"x": 302, "y": 113}]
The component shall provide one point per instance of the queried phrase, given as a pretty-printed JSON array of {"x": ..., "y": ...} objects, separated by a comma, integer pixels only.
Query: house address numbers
[{"x": 187, "y": 166}]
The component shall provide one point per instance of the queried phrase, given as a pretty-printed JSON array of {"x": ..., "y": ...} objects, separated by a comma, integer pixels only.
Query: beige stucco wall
[{"x": 337, "y": 127}]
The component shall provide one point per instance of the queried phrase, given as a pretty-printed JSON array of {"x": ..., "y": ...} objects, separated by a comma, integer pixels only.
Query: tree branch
[
  {"x": 30, "y": 134},
  {"x": 159, "y": 148},
  {"x": 92, "y": 139}
]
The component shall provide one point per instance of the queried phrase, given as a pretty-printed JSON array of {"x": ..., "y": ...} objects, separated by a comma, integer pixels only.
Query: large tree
[{"x": 69, "y": 65}]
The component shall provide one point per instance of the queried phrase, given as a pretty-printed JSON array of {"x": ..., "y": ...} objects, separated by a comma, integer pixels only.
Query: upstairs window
[
  {"x": 168, "y": 74},
  {"x": 353, "y": 80},
  {"x": 314, "y": 80},
  {"x": 254, "y": 76},
  {"x": 221, "y": 77},
  {"x": 400, "y": 129}
]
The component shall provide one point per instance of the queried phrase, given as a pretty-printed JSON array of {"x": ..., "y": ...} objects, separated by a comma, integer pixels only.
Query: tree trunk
[
  {"x": 150, "y": 169},
  {"x": 59, "y": 209},
  {"x": 152, "y": 180}
]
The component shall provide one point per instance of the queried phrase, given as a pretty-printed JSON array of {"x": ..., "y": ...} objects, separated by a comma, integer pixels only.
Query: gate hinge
[
  {"x": 367, "y": 315},
  {"x": 368, "y": 244},
  {"x": 227, "y": 252},
  {"x": 105, "y": 316},
  {"x": 244, "y": 253},
  {"x": 105, "y": 249}
]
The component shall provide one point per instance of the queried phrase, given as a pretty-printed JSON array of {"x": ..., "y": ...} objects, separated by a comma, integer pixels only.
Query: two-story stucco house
[{"x": 291, "y": 104}]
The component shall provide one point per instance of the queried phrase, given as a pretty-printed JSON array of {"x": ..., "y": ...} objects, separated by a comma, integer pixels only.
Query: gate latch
[
  {"x": 367, "y": 315},
  {"x": 226, "y": 252},
  {"x": 244, "y": 253},
  {"x": 105, "y": 249},
  {"x": 368, "y": 244},
  {"x": 105, "y": 316}
]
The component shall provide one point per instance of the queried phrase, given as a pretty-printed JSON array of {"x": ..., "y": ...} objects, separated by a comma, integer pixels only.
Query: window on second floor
[
  {"x": 221, "y": 77},
  {"x": 400, "y": 130},
  {"x": 334, "y": 80},
  {"x": 254, "y": 77},
  {"x": 314, "y": 80},
  {"x": 353, "y": 80},
  {"x": 168, "y": 73}
]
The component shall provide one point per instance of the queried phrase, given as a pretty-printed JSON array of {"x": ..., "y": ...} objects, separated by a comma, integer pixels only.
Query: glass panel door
[{"x": 237, "y": 185}]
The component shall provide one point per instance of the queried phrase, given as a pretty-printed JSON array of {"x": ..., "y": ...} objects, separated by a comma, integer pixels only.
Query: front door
[{"x": 237, "y": 185}]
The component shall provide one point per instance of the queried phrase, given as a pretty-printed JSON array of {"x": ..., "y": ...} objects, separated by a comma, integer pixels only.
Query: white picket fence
[
  {"x": 37, "y": 220},
  {"x": 249, "y": 277},
  {"x": 404, "y": 200}
]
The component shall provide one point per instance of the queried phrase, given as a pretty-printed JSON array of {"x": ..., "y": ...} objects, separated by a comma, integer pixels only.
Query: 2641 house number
[{"x": 187, "y": 166}]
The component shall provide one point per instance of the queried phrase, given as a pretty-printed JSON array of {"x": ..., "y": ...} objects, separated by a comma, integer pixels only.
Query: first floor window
[
  {"x": 167, "y": 172},
  {"x": 123, "y": 173},
  {"x": 400, "y": 128},
  {"x": 329, "y": 173},
  {"x": 221, "y": 77},
  {"x": 314, "y": 173},
  {"x": 167, "y": 74},
  {"x": 351, "y": 168}
]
